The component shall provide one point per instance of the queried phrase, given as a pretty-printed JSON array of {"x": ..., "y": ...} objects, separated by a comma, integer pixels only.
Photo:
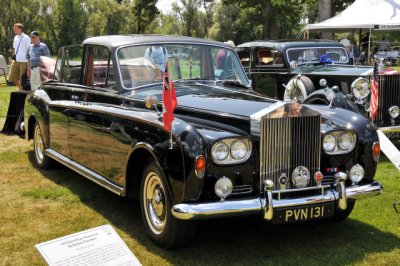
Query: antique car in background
[
  {"x": 308, "y": 67},
  {"x": 233, "y": 151}
]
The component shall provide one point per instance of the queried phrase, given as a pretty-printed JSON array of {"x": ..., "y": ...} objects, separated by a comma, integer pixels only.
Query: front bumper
[
  {"x": 392, "y": 132},
  {"x": 265, "y": 205}
]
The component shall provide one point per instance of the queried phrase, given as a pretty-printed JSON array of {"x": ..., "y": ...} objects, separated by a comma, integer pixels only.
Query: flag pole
[{"x": 170, "y": 74}]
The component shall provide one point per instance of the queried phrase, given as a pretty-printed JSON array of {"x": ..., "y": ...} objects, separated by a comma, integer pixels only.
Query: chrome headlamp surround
[
  {"x": 360, "y": 88},
  {"x": 339, "y": 142},
  {"x": 231, "y": 151}
]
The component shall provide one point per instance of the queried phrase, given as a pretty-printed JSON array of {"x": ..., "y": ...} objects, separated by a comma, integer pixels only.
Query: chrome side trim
[
  {"x": 196, "y": 211},
  {"x": 89, "y": 174}
]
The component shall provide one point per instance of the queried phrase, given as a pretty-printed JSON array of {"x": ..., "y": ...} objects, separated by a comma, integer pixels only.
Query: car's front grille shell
[
  {"x": 388, "y": 95},
  {"x": 289, "y": 142}
]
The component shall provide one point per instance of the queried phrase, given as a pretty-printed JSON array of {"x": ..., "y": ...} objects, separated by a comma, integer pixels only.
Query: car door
[
  {"x": 67, "y": 74},
  {"x": 85, "y": 121}
]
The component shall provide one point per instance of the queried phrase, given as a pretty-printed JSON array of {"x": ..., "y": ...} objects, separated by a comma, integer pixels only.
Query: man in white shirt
[
  {"x": 19, "y": 64},
  {"x": 158, "y": 55}
]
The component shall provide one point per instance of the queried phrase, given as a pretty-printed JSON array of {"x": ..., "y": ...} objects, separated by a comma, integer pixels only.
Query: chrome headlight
[
  {"x": 231, "y": 151},
  {"x": 360, "y": 88},
  {"x": 345, "y": 141},
  {"x": 220, "y": 151},
  {"x": 329, "y": 143},
  {"x": 239, "y": 150},
  {"x": 394, "y": 111},
  {"x": 339, "y": 142}
]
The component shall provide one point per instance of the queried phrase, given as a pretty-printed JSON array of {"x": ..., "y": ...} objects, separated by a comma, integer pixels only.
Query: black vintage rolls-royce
[
  {"x": 303, "y": 69},
  {"x": 230, "y": 152}
]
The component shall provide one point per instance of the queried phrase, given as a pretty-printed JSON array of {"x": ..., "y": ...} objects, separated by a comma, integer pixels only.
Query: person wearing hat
[
  {"x": 19, "y": 63},
  {"x": 35, "y": 51}
]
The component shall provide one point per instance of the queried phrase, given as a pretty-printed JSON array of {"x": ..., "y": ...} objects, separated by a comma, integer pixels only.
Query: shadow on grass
[{"x": 246, "y": 240}]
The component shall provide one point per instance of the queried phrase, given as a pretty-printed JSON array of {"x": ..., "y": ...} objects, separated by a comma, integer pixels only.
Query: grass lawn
[{"x": 37, "y": 206}]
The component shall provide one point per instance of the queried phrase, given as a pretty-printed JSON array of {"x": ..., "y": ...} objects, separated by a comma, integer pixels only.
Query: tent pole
[
  {"x": 353, "y": 42},
  {"x": 369, "y": 44}
]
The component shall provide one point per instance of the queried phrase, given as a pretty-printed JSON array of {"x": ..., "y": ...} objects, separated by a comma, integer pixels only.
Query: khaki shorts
[{"x": 18, "y": 69}]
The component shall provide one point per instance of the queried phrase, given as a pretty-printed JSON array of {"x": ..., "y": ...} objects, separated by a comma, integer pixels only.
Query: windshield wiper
[{"x": 233, "y": 83}]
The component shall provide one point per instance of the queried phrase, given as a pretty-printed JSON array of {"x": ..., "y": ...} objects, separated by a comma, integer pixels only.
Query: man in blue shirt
[{"x": 36, "y": 50}]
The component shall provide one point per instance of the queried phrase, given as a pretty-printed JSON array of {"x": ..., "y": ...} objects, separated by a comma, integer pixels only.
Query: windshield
[
  {"x": 144, "y": 65},
  {"x": 314, "y": 54}
]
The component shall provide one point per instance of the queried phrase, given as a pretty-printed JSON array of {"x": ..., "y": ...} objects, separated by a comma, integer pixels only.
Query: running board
[
  {"x": 89, "y": 174},
  {"x": 389, "y": 149}
]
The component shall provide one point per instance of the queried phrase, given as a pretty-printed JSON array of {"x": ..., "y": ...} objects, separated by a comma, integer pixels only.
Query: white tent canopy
[{"x": 364, "y": 15}]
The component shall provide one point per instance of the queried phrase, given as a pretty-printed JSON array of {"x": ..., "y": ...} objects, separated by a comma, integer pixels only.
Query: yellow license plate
[{"x": 304, "y": 213}]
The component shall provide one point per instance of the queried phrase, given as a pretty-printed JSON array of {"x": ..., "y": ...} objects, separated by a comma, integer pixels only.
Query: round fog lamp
[
  {"x": 239, "y": 150},
  {"x": 220, "y": 151},
  {"x": 223, "y": 187},
  {"x": 356, "y": 173},
  {"x": 394, "y": 111},
  {"x": 329, "y": 143}
]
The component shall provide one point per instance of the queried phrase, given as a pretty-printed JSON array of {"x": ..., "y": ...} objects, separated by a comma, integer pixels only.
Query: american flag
[
  {"x": 169, "y": 101},
  {"x": 374, "y": 100}
]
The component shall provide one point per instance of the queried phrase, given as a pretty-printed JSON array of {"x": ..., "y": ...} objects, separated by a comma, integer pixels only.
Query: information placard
[{"x": 96, "y": 246}]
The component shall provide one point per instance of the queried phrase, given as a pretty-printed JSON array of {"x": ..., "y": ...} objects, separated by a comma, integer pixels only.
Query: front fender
[
  {"x": 36, "y": 110},
  {"x": 340, "y": 101}
]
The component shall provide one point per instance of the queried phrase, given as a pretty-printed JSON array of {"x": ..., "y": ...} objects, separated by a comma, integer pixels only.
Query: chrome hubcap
[
  {"x": 39, "y": 147},
  {"x": 155, "y": 203}
]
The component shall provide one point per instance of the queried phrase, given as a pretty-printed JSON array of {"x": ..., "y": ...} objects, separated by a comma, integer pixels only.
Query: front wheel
[
  {"x": 155, "y": 200},
  {"x": 41, "y": 159}
]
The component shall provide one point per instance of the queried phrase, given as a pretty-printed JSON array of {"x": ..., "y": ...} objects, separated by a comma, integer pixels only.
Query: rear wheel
[
  {"x": 155, "y": 200},
  {"x": 41, "y": 159}
]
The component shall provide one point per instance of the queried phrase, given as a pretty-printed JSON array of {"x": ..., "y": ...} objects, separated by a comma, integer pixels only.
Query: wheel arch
[{"x": 140, "y": 156}]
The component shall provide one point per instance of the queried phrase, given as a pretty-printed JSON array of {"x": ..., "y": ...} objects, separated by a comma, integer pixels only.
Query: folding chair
[{"x": 4, "y": 70}]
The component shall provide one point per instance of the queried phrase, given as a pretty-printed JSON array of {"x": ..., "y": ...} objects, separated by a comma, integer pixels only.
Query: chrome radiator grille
[
  {"x": 289, "y": 142},
  {"x": 388, "y": 95}
]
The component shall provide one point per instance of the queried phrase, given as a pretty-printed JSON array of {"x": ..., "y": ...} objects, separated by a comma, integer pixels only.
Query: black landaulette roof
[{"x": 115, "y": 41}]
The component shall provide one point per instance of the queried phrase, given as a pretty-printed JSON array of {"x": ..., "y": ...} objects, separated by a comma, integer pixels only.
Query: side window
[
  {"x": 69, "y": 64},
  {"x": 269, "y": 57},
  {"x": 99, "y": 70},
  {"x": 244, "y": 56}
]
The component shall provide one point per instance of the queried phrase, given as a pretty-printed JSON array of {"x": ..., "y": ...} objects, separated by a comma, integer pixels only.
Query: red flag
[
  {"x": 374, "y": 100},
  {"x": 169, "y": 101}
]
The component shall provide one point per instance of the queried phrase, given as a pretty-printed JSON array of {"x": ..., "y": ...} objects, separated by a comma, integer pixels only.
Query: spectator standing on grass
[
  {"x": 20, "y": 48},
  {"x": 36, "y": 49}
]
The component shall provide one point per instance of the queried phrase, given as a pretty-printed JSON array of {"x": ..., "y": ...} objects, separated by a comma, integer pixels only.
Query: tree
[
  {"x": 32, "y": 14},
  {"x": 144, "y": 11},
  {"x": 72, "y": 21}
]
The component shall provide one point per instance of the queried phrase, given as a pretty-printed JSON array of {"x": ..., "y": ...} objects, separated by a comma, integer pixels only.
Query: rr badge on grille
[{"x": 300, "y": 177}]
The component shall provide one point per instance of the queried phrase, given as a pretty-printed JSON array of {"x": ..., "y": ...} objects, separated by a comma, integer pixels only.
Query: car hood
[
  {"x": 339, "y": 70},
  {"x": 209, "y": 98},
  {"x": 227, "y": 105}
]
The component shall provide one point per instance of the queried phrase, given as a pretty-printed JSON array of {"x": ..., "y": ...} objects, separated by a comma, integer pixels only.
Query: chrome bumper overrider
[{"x": 196, "y": 211}]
